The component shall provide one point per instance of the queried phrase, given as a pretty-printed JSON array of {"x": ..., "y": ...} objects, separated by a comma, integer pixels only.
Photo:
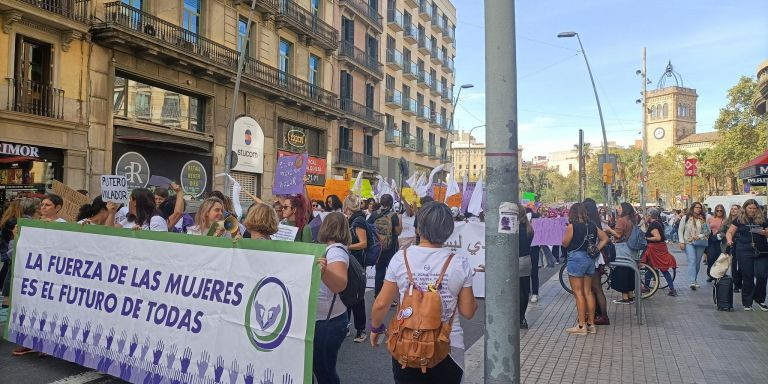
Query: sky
[{"x": 711, "y": 44}]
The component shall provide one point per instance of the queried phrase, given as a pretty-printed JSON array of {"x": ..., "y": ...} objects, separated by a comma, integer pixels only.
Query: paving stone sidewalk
[{"x": 683, "y": 339}]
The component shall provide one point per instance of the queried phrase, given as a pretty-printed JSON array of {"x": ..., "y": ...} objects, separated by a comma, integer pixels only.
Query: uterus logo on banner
[
  {"x": 135, "y": 168},
  {"x": 269, "y": 314}
]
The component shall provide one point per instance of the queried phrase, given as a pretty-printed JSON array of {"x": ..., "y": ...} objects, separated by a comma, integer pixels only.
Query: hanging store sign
[
  {"x": 193, "y": 178},
  {"x": 247, "y": 146},
  {"x": 135, "y": 168},
  {"x": 296, "y": 138},
  {"x": 19, "y": 150}
]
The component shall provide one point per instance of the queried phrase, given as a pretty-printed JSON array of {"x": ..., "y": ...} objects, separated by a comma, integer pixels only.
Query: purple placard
[
  {"x": 289, "y": 175},
  {"x": 549, "y": 231}
]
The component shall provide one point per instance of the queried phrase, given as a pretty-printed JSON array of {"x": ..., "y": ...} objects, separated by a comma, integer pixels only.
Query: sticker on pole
[
  {"x": 114, "y": 188},
  {"x": 508, "y": 222}
]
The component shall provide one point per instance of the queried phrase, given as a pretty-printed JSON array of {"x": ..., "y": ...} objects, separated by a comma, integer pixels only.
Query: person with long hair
[
  {"x": 747, "y": 230},
  {"x": 142, "y": 213},
  {"x": 93, "y": 213},
  {"x": 261, "y": 222},
  {"x": 12, "y": 213},
  {"x": 331, "y": 319},
  {"x": 333, "y": 204},
  {"x": 713, "y": 248},
  {"x": 580, "y": 266},
  {"x": 524, "y": 249},
  {"x": 50, "y": 208},
  {"x": 735, "y": 270},
  {"x": 361, "y": 236},
  {"x": 693, "y": 233},
  {"x": 597, "y": 289},
  {"x": 623, "y": 278},
  {"x": 209, "y": 214},
  {"x": 426, "y": 260},
  {"x": 295, "y": 214},
  {"x": 387, "y": 250},
  {"x": 657, "y": 254}
]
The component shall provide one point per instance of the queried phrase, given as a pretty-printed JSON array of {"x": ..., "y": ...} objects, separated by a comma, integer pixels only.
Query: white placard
[
  {"x": 114, "y": 188},
  {"x": 285, "y": 233}
]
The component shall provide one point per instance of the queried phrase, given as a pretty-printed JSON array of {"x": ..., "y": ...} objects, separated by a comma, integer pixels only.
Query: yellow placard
[
  {"x": 366, "y": 190},
  {"x": 410, "y": 196}
]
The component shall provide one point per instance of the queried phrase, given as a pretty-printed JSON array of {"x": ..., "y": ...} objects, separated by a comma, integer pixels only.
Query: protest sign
[
  {"x": 366, "y": 190},
  {"x": 73, "y": 200},
  {"x": 410, "y": 196},
  {"x": 340, "y": 188},
  {"x": 530, "y": 196},
  {"x": 549, "y": 231},
  {"x": 285, "y": 233},
  {"x": 315, "y": 192},
  {"x": 114, "y": 188},
  {"x": 207, "y": 311},
  {"x": 289, "y": 175}
]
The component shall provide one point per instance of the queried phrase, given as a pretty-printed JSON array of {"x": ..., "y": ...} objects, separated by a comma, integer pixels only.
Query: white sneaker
[
  {"x": 748, "y": 309},
  {"x": 534, "y": 298}
]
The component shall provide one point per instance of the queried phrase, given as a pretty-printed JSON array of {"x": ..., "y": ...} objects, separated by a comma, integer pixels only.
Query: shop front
[
  {"x": 294, "y": 138},
  {"x": 27, "y": 169}
]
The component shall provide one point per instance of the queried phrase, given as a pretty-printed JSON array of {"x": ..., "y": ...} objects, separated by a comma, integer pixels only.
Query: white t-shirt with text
[
  {"x": 156, "y": 223},
  {"x": 335, "y": 253}
]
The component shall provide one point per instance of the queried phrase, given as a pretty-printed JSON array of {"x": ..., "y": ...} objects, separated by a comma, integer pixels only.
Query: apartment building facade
[{"x": 420, "y": 49}]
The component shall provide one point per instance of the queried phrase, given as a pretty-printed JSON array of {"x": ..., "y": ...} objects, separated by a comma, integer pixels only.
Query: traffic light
[{"x": 607, "y": 173}]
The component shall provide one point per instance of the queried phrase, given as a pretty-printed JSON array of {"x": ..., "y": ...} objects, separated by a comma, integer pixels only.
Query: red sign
[
  {"x": 691, "y": 166},
  {"x": 315, "y": 168}
]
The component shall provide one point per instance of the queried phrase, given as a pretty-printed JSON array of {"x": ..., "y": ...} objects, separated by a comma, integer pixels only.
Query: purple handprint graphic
[
  {"x": 53, "y": 323},
  {"x": 125, "y": 371},
  {"x": 185, "y": 359},
  {"x": 202, "y": 364},
  {"x": 249, "y": 372},
  {"x": 110, "y": 337},
  {"x": 42, "y": 321},
  {"x": 62, "y": 349},
  {"x": 218, "y": 369},
  {"x": 157, "y": 378},
  {"x": 144, "y": 348},
  {"x": 37, "y": 343},
  {"x": 97, "y": 335},
  {"x": 33, "y": 319},
  {"x": 170, "y": 356},
  {"x": 148, "y": 378},
  {"x": 287, "y": 379},
  {"x": 15, "y": 315},
  {"x": 176, "y": 377},
  {"x": 121, "y": 342},
  {"x": 86, "y": 331},
  {"x": 134, "y": 344},
  {"x": 269, "y": 377},
  {"x": 233, "y": 372},
  {"x": 79, "y": 356},
  {"x": 75, "y": 329},
  {"x": 158, "y": 352},
  {"x": 20, "y": 337},
  {"x": 63, "y": 327},
  {"x": 22, "y": 316}
]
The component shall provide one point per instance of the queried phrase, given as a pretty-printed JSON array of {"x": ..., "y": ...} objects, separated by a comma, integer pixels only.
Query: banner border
[{"x": 309, "y": 249}]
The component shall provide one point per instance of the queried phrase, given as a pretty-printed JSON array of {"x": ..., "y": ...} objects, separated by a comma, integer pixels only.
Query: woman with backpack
[
  {"x": 361, "y": 239},
  {"x": 581, "y": 236},
  {"x": 623, "y": 278},
  {"x": 422, "y": 270},
  {"x": 601, "y": 303},
  {"x": 693, "y": 236},
  {"x": 331, "y": 316}
]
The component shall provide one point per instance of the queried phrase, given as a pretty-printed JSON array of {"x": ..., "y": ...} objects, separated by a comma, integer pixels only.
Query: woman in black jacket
[{"x": 524, "y": 248}]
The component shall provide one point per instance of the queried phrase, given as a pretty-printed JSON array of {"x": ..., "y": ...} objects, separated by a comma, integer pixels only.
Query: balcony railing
[
  {"x": 423, "y": 48},
  {"x": 437, "y": 21},
  {"x": 425, "y": 10},
  {"x": 33, "y": 98},
  {"x": 434, "y": 55},
  {"x": 307, "y": 23},
  {"x": 393, "y": 98},
  {"x": 408, "y": 141},
  {"x": 395, "y": 19},
  {"x": 76, "y": 10},
  {"x": 420, "y": 147},
  {"x": 423, "y": 113},
  {"x": 373, "y": 118},
  {"x": 172, "y": 36},
  {"x": 432, "y": 151},
  {"x": 424, "y": 79},
  {"x": 359, "y": 160},
  {"x": 410, "y": 70},
  {"x": 436, "y": 120},
  {"x": 392, "y": 137},
  {"x": 447, "y": 64},
  {"x": 433, "y": 87},
  {"x": 409, "y": 106},
  {"x": 357, "y": 55},
  {"x": 410, "y": 33},
  {"x": 269, "y": 6},
  {"x": 447, "y": 95},
  {"x": 449, "y": 31},
  {"x": 364, "y": 9},
  {"x": 394, "y": 59}
]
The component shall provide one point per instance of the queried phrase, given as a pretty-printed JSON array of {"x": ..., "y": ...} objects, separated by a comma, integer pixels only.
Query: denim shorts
[{"x": 580, "y": 264}]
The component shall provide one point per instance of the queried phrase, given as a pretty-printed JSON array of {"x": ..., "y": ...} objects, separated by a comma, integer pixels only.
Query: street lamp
[
  {"x": 599, "y": 110},
  {"x": 469, "y": 146},
  {"x": 450, "y": 128}
]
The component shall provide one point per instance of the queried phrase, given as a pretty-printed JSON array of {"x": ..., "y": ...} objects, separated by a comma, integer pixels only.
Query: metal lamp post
[
  {"x": 599, "y": 109},
  {"x": 469, "y": 146},
  {"x": 450, "y": 127}
]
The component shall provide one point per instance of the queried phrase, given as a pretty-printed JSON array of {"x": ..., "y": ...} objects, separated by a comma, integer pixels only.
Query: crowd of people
[{"x": 352, "y": 228}]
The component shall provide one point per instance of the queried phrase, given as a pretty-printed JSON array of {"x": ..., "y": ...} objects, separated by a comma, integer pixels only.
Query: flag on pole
[
  {"x": 476, "y": 201},
  {"x": 453, "y": 186},
  {"x": 357, "y": 187}
]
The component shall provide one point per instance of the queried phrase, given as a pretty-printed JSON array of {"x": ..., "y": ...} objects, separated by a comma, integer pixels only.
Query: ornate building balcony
[
  {"x": 358, "y": 160},
  {"x": 362, "y": 114},
  {"x": 369, "y": 14},
  {"x": 395, "y": 20},
  {"x": 394, "y": 59},
  {"x": 357, "y": 58},
  {"x": 311, "y": 29}
]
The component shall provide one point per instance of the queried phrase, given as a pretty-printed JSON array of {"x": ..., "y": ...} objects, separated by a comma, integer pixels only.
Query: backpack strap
[
  {"x": 408, "y": 268},
  {"x": 439, "y": 281},
  {"x": 333, "y": 301}
]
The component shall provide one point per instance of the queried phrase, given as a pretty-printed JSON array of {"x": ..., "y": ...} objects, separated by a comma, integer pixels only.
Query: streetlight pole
[
  {"x": 644, "y": 175},
  {"x": 599, "y": 109},
  {"x": 502, "y": 309},
  {"x": 469, "y": 145},
  {"x": 450, "y": 127}
]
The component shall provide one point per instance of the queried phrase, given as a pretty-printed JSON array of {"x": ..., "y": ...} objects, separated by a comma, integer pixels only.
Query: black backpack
[{"x": 356, "y": 284}]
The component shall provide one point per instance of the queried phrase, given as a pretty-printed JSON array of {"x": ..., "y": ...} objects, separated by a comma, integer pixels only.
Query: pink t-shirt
[{"x": 715, "y": 223}]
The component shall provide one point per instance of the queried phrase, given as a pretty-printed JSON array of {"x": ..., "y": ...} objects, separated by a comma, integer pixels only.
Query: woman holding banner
[
  {"x": 142, "y": 213},
  {"x": 261, "y": 222},
  {"x": 50, "y": 208},
  {"x": 331, "y": 317}
]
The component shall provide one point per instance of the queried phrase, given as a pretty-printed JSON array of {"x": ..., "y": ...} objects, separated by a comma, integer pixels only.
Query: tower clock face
[{"x": 658, "y": 133}]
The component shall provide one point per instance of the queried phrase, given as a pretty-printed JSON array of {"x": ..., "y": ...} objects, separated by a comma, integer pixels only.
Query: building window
[
  {"x": 665, "y": 110},
  {"x": 191, "y": 16},
  {"x": 286, "y": 56},
  {"x": 368, "y": 147},
  {"x": 345, "y": 138},
  {"x": 133, "y": 3},
  {"x": 242, "y": 39},
  {"x": 314, "y": 6},
  {"x": 314, "y": 70},
  {"x": 136, "y": 100}
]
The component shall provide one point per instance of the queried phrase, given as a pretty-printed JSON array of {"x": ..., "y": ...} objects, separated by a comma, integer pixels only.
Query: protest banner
[
  {"x": 73, "y": 200},
  {"x": 315, "y": 192},
  {"x": 410, "y": 196},
  {"x": 289, "y": 175},
  {"x": 206, "y": 311},
  {"x": 340, "y": 188},
  {"x": 285, "y": 233},
  {"x": 549, "y": 231},
  {"x": 114, "y": 188},
  {"x": 366, "y": 190}
]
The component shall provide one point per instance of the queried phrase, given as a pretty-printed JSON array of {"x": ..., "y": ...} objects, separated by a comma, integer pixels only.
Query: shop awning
[
  {"x": 15, "y": 159},
  {"x": 755, "y": 172}
]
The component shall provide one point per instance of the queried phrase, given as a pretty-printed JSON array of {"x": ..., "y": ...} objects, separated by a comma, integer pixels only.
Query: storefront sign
[
  {"x": 135, "y": 168},
  {"x": 247, "y": 146},
  {"x": 316, "y": 167},
  {"x": 296, "y": 138},
  {"x": 19, "y": 150},
  {"x": 114, "y": 188},
  {"x": 193, "y": 178}
]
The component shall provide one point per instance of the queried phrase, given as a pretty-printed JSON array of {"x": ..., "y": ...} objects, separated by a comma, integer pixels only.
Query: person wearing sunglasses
[
  {"x": 294, "y": 214},
  {"x": 715, "y": 222}
]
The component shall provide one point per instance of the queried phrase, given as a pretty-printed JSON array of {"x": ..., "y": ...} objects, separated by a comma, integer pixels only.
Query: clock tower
[{"x": 671, "y": 112}]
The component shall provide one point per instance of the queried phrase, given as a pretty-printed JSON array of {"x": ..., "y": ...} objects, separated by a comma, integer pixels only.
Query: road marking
[{"x": 80, "y": 378}]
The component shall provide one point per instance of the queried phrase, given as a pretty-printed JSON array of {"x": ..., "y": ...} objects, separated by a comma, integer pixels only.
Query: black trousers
[
  {"x": 445, "y": 372},
  {"x": 525, "y": 291},
  {"x": 713, "y": 252},
  {"x": 754, "y": 274},
  {"x": 736, "y": 272},
  {"x": 535, "y": 255}
]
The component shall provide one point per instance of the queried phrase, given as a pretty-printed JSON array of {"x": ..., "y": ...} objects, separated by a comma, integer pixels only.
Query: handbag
[
  {"x": 760, "y": 244},
  {"x": 524, "y": 265},
  {"x": 609, "y": 252},
  {"x": 721, "y": 265},
  {"x": 592, "y": 249},
  {"x": 702, "y": 242}
]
